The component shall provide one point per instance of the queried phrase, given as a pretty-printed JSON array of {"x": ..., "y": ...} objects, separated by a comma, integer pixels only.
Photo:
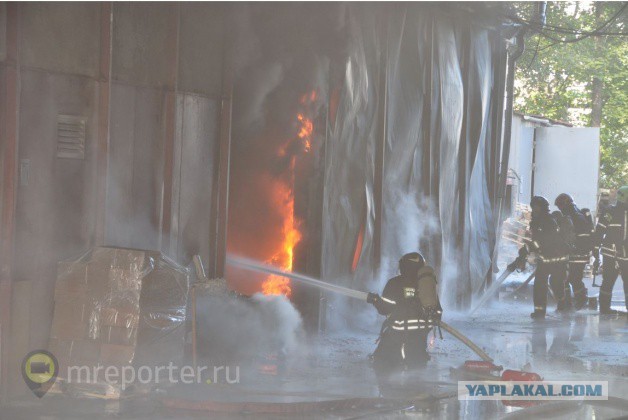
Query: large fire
[{"x": 283, "y": 199}]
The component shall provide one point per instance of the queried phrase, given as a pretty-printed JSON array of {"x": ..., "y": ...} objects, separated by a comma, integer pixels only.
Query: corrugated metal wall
[{"x": 164, "y": 108}]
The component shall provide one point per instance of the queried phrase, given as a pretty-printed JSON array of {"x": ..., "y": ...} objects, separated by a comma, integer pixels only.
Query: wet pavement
[{"x": 336, "y": 367}]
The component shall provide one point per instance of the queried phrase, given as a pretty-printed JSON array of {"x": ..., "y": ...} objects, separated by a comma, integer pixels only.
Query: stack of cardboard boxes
[{"x": 97, "y": 308}]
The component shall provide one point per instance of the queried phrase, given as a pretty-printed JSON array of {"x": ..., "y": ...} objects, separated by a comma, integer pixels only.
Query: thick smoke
[
  {"x": 238, "y": 330},
  {"x": 279, "y": 55}
]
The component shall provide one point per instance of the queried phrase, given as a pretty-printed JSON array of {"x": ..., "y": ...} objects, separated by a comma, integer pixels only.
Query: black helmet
[
  {"x": 411, "y": 263},
  {"x": 557, "y": 215},
  {"x": 563, "y": 200},
  {"x": 541, "y": 203}
]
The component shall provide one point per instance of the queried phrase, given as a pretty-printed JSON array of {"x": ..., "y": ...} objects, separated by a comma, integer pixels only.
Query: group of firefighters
[
  {"x": 560, "y": 242},
  {"x": 563, "y": 242}
]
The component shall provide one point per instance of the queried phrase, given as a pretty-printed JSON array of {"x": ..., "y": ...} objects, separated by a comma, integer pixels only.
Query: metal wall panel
[
  {"x": 524, "y": 145},
  {"x": 61, "y": 36},
  {"x": 196, "y": 141},
  {"x": 144, "y": 43},
  {"x": 567, "y": 160},
  {"x": 135, "y": 185},
  {"x": 201, "y": 47},
  {"x": 55, "y": 202},
  {"x": 3, "y": 31}
]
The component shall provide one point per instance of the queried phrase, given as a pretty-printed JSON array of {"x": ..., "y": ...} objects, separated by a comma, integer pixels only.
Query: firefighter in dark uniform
[
  {"x": 580, "y": 255},
  {"x": 612, "y": 233},
  {"x": 411, "y": 306},
  {"x": 552, "y": 254}
]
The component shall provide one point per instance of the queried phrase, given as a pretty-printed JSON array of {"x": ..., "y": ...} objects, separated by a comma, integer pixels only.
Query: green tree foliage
[{"x": 559, "y": 78}]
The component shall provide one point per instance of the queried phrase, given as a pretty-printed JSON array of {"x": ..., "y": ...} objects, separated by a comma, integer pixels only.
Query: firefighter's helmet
[
  {"x": 563, "y": 200},
  {"x": 540, "y": 203},
  {"x": 411, "y": 263}
]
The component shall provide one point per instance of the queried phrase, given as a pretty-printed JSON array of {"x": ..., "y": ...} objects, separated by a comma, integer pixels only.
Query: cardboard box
[
  {"x": 125, "y": 280},
  {"x": 103, "y": 279},
  {"x": 85, "y": 352},
  {"x": 71, "y": 281},
  {"x": 118, "y": 335},
  {"x": 76, "y": 352},
  {"x": 97, "y": 308},
  {"x": 98, "y": 282},
  {"x": 119, "y": 317},
  {"x": 71, "y": 319},
  {"x": 60, "y": 348},
  {"x": 124, "y": 258},
  {"x": 116, "y": 354}
]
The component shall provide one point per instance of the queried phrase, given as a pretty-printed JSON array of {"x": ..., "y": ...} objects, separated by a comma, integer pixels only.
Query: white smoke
[
  {"x": 241, "y": 330},
  {"x": 278, "y": 56},
  {"x": 410, "y": 221},
  {"x": 260, "y": 83},
  {"x": 278, "y": 312}
]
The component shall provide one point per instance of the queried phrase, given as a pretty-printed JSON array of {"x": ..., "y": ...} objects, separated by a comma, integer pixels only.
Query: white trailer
[
  {"x": 548, "y": 158},
  {"x": 567, "y": 160}
]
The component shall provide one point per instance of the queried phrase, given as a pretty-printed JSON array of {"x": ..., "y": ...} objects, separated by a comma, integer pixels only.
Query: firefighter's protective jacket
[
  {"x": 612, "y": 232},
  {"x": 583, "y": 227},
  {"x": 546, "y": 240},
  {"x": 411, "y": 303}
]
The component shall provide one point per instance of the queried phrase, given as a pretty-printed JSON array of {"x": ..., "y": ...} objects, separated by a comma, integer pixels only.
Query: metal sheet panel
[
  {"x": 135, "y": 185},
  {"x": 521, "y": 148},
  {"x": 54, "y": 215},
  {"x": 201, "y": 47},
  {"x": 144, "y": 36},
  {"x": 195, "y": 159},
  {"x": 3, "y": 31},
  {"x": 60, "y": 36},
  {"x": 567, "y": 160}
]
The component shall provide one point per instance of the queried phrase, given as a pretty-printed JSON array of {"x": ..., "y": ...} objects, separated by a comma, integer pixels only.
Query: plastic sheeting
[
  {"x": 438, "y": 95},
  {"x": 118, "y": 306}
]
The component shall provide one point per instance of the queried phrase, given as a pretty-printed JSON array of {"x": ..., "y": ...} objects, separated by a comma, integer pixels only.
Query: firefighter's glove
[
  {"x": 518, "y": 264},
  {"x": 433, "y": 314},
  {"x": 523, "y": 252},
  {"x": 373, "y": 298}
]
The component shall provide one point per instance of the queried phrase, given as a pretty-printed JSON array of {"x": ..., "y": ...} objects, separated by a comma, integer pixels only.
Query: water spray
[
  {"x": 356, "y": 294},
  {"x": 264, "y": 268}
]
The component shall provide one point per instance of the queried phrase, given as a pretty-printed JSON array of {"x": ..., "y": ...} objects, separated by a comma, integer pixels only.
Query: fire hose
[{"x": 356, "y": 294}]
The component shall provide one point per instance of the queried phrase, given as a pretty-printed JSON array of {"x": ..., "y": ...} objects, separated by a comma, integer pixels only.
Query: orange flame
[
  {"x": 306, "y": 130},
  {"x": 358, "y": 249},
  {"x": 284, "y": 201},
  {"x": 308, "y": 98},
  {"x": 307, "y": 125}
]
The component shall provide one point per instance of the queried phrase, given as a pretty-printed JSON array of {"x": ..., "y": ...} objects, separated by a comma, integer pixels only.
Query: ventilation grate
[{"x": 70, "y": 137}]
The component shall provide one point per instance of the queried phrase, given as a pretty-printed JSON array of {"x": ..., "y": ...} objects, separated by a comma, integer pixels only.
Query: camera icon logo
[{"x": 39, "y": 370}]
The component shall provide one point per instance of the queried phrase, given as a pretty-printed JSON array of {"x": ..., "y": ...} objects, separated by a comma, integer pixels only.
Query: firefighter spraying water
[
  {"x": 412, "y": 308},
  {"x": 424, "y": 280}
]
